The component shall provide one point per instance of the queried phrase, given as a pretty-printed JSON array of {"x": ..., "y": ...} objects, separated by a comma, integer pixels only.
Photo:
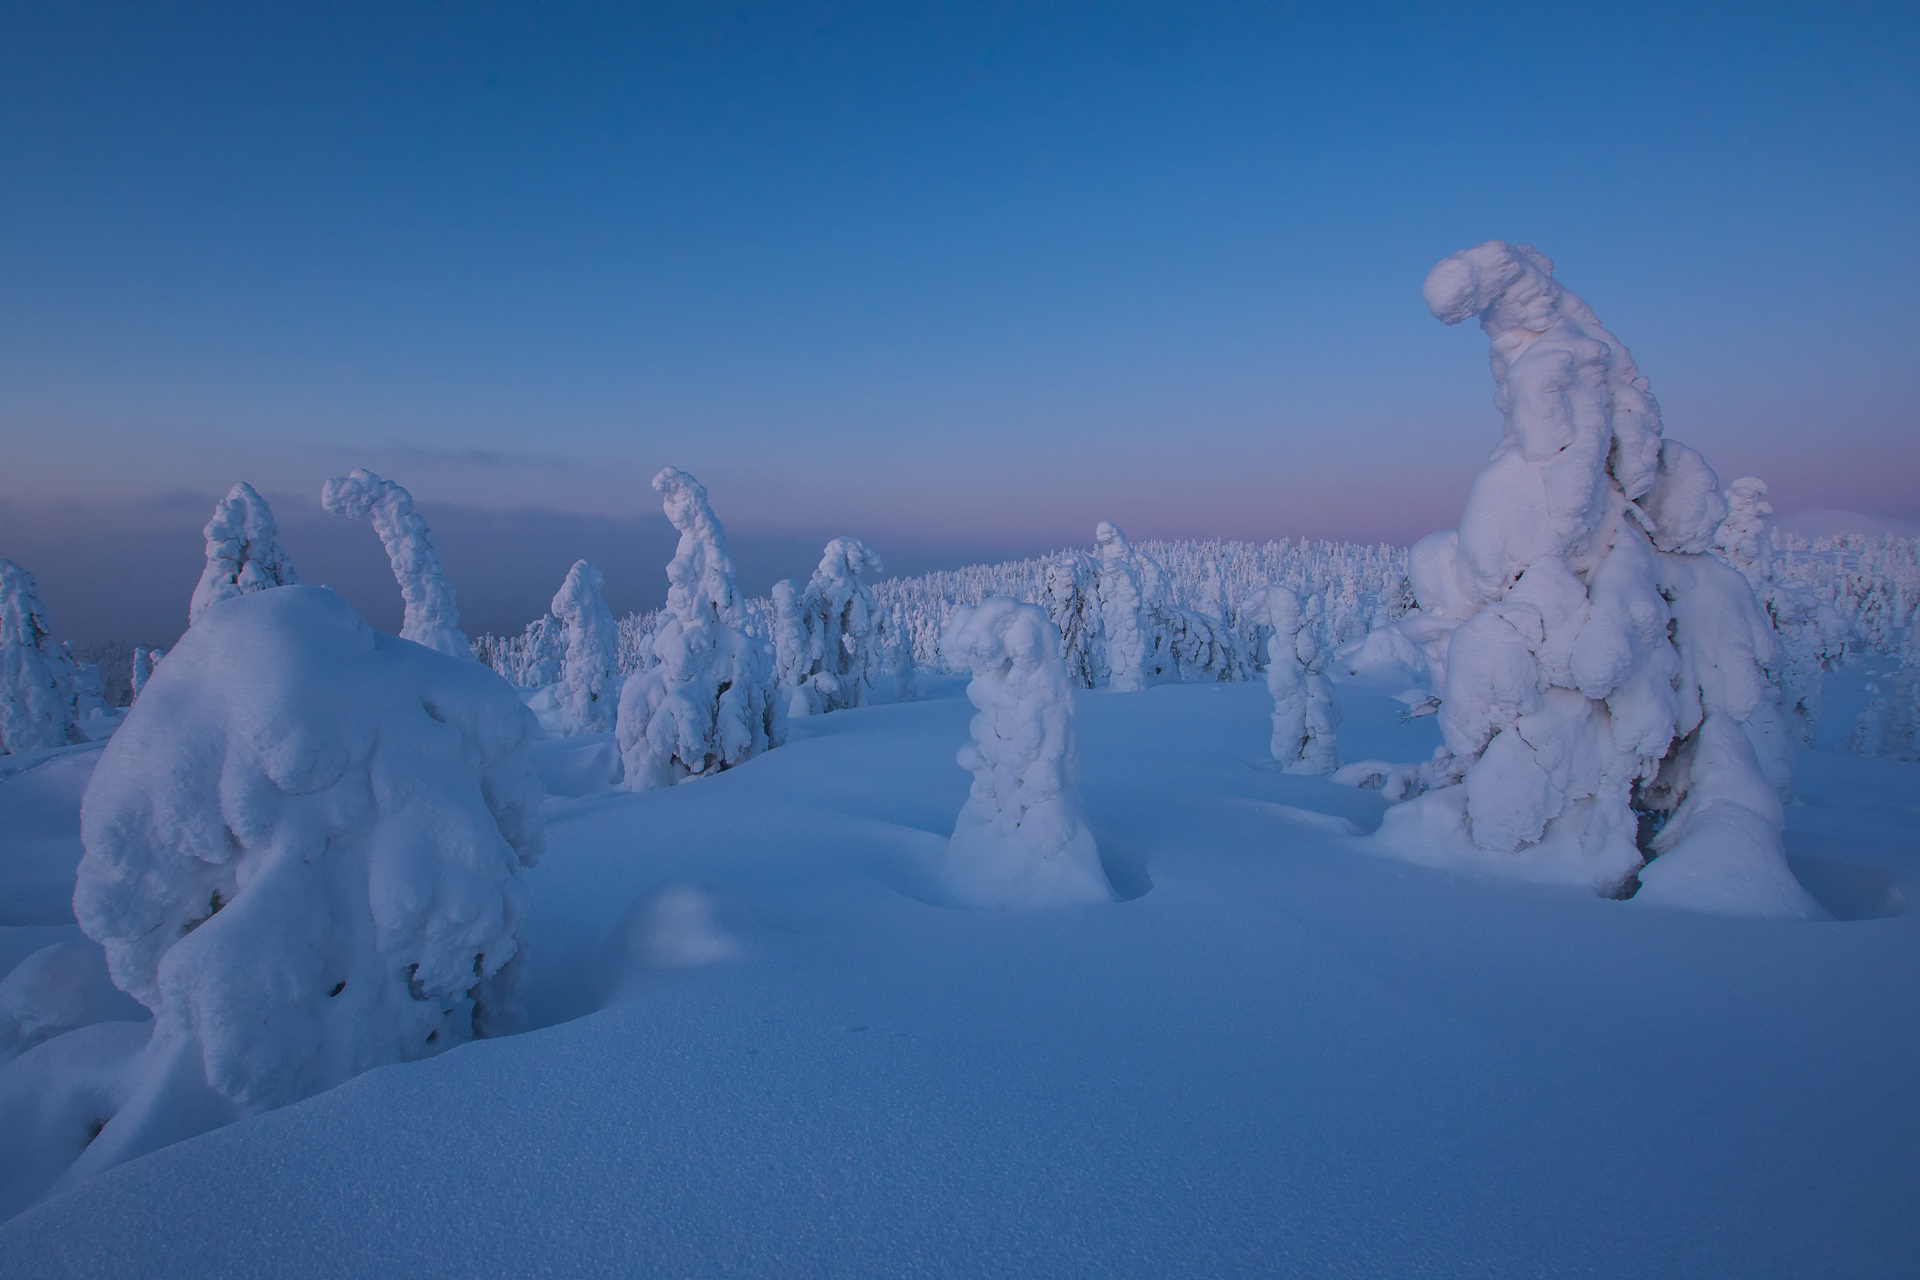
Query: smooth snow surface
[{"x": 1278, "y": 1056}]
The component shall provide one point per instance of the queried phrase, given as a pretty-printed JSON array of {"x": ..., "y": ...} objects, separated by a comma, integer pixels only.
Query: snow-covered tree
[
  {"x": 1741, "y": 538},
  {"x": 86, "y": 691},
  {"x": 1598, "y": 668},
  {"x": 1890, "y": 723},
  {"x": 827, "y": 638},
  {"x": 1022, "y": 838},
  {"x": 1305, "y": 714},
  {"x": 303, "y": 853},
  {"x": 590, "y": 670},
  {"x": 1070, "y": 596},
  {"x": 143, "y": 664},
  {"x": 432, "y": 617},
  {"x": 710, "y": 701},
  {"x": 36, "y": 704},
  {"x": 243, "y": 552},
  {"x": 1126, "y": 629},
  {"x": 896, "y": 655}
]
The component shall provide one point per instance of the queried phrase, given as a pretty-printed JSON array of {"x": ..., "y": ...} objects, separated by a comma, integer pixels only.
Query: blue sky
[{"x": 960, "y": 279}]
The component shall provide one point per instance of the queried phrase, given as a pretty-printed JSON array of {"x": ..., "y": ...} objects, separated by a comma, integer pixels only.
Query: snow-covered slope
[{"x": 766, "y": 1049}]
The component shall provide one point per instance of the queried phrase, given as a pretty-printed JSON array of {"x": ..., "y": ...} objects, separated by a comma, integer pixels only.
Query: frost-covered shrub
[
  {"x": 710, "y": 702},
  {"x": 1125, "y": 626},
  {"x": 243, "y": 552},
  {"x": 1598, "y": 669},
  {"x": 303, "y": 853},
  {"x": 1305, "y": 714},
  {"x": 1022, "y": 838},
  {"x": 590, "y": 669},
  {"x": 36, "y": 705},
  {"x": 827, "y": 641},
  {"x": 432, "y": 617}
]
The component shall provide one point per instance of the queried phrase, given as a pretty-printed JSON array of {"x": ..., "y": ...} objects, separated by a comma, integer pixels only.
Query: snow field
[{"x": 1276, "y": 1055}]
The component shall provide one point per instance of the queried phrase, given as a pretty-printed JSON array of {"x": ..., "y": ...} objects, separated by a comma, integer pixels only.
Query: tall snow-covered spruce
[
  {"x": 243, "y": 552},
  {"x": 432, "y": 617},
  {"x": 1603, "y": 693},
  {"x": 827, "y": 638},
  {"x": 303, "y": 853},
  {"x": 1022, "y": 838},
  {"x": 1305, "y": 714},
  {"x": 709, "y": 702},
  {"x": 1126, "y": 628},
  {"x": 36, "y": 706},
  {"x": 590, "y": 668}
]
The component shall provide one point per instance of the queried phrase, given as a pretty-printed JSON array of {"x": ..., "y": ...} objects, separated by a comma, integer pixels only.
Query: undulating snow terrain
[{"x": 1534, "y": 902}]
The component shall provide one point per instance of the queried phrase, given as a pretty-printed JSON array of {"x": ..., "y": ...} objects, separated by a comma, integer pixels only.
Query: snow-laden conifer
[
  {"x": 590, "y": 669},
  {"x": 1598, "y": 669},
  {"x": 1741, "y": 538},
  {"x": 303, "y": 853},
  {"x": 709, "y": 703},
  {"x": 36, "y": 702},
  {"x": 243, "y": 552},
  {"x": 143, "y": 664},
  {"x": 1022, "y": 839},
  {"x": 1126, "y": 629},
  {"x": 1070, "y": 596},
  {"x": 1305, "y": 714},
  {"x": 432, "y": 617},
  {"x": 827, "y": 637}
]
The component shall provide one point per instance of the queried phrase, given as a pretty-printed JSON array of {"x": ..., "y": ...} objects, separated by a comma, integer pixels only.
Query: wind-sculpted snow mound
[{"x": 303, "y": 853}]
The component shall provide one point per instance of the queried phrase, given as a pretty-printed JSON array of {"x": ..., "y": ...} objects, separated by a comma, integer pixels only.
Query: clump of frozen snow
[
  {"x": 431, "y": 618},
  {"x": 36, "y": 704},
  {"x": 1305, "y": 714},
  {"x": 1022, "y": 838},
  {"x": 243, "y": 552},
  {"x": 1599, "y": 673},
  {"x": 709, "y": 703},
  {"x": 303, "y": 853},
  {"x": 590, "y": 667},
  {"x": 827, "y": 641}
]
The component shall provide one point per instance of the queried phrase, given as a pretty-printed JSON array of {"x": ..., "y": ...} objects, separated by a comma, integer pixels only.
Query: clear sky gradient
[{"x": 961, "y": 279}]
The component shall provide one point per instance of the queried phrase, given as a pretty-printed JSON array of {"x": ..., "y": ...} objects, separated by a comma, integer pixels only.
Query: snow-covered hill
[{"x": 764, "y": 1047}]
